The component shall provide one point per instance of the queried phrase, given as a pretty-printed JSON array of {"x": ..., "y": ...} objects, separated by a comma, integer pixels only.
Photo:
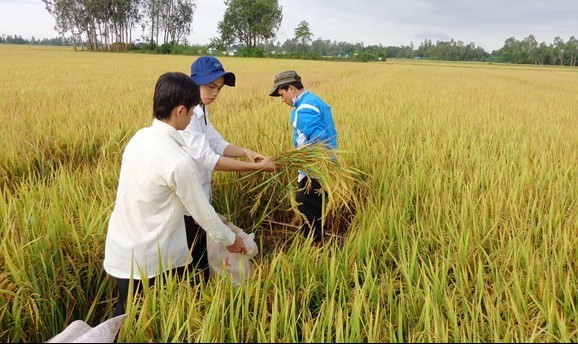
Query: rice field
[{"x": 465, "y": 221}]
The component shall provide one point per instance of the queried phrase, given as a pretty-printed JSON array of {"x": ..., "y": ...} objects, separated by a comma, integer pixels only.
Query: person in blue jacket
[{"x": 312, "y": 122}]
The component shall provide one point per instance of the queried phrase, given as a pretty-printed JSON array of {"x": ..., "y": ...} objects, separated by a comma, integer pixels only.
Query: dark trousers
[
  {"x": 310, "y": 204},
  {"x": 197, "y": 242}
]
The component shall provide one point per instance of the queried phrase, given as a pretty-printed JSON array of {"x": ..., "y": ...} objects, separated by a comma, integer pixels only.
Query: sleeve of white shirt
[
  {"x": 199, "y": 148},
  {"x": 216, "y": 141},
  {"x": 186, "y": 183}
]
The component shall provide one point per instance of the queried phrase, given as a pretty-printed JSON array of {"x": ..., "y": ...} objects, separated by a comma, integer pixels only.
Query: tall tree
[
  {"x": 67, "y": 17},
  {"x": 303, "y": 34},
  {"x": 151, "y": 10},
  {"x": 249, "y": 22},
  {"x": 63, "y": 23},
  {"x": 530, "y": 47},
  {"x": 125, "y": 14},
  {"x": 559, "y": 47},
  {"x": 289, "y": 46},
  {"x": 179, "y": 20},
  {"x": 100, "y": 21},
  {"x": 321, "y": 47},
  {"x": 167, "y": 21},
  {"x": 543, "y": 55},
  {"x": 572, "y": 50}
]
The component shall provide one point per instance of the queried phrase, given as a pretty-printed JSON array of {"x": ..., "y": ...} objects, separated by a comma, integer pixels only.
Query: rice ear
[{"x": 336, "y": 178}]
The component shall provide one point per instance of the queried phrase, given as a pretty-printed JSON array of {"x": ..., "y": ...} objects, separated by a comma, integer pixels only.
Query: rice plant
[{"x": 457, "y": 182}]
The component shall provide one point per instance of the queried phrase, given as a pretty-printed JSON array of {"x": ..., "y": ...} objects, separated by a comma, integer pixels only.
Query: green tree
[
  {"x": 303, "y": 35},
  {"x": 218, "y": 44},
  {"x": 289, "y": 46},
  {"x": 572, "y": 50},
  {"x": 80, "y": 17},
  {"x": 544, "y": 54},
  {"x": 125, "y": 15},
  {"x": 558, "y": 48},
  {"x": 60, "y": 12},
  {"x": 167, "y": 21},
  {"x": 530, "y": 46},
  {"x": 100, "y": 21},
  {"x": 179, "y": 20},
  {"x": 321, "y": 47},
  {"x": 249, "y": 22}
]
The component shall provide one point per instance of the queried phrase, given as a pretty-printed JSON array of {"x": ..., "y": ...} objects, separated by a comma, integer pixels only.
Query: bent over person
[
  {"x": 312, "y": 122},
  {"x": 159, "y": 183}
]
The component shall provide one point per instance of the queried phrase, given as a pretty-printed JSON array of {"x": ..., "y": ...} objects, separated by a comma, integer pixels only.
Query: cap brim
[
  {"x": 230, "y": 79},
  {"x": 207, "y": 79},
  {"x": 274, "y": 92}
]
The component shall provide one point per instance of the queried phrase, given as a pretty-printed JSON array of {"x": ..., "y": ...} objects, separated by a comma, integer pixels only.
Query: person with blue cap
[{"x": 208, "y": 147}]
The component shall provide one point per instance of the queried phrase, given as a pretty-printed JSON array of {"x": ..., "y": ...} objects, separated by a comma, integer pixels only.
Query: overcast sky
[{"x": 487, "y": 23}]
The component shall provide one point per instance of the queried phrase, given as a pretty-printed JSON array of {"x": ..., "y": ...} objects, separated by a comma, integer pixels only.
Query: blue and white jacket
[{"x": 312, "y": 122}]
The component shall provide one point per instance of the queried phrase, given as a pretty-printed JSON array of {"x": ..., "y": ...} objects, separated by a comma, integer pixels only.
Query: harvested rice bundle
[{"x": 330, "y": 170}]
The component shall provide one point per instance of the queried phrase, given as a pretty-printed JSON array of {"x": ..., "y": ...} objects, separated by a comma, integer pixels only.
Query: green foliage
[
  {"x": 303, "y": 33},
  {"x": 249, "y": 22},
  {"x": 250, "y": 52},
  {"x": 529, "y": 51},
  {"x": 166, "y": 48},
  {"x": 444, "y": 50},
  {"x": 365, "y": 57},
  {"x": 300, "y": 56},
  {"x": 119, "y": 46}
]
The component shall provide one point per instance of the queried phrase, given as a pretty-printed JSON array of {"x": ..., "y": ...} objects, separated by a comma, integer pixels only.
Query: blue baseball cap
[{"x": 207, "y": 69}]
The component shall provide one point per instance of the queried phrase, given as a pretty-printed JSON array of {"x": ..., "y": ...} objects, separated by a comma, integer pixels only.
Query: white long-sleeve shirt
[
  {"x": 158, "y": 184},
  {"x": 204, "y": 144}
]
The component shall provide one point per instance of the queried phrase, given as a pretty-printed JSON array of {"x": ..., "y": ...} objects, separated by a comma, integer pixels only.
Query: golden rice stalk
[{"x": 328, "y": 167}]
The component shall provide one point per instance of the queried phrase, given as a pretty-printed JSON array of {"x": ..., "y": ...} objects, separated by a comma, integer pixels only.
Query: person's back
[
  {"x": 158, "y": 184},
  {"x": 315, "y": 103},
  {"x": 144, "y": 193}
]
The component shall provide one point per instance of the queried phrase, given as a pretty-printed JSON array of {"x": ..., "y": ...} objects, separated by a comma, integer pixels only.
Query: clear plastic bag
[{"x": 238, "y": 266}]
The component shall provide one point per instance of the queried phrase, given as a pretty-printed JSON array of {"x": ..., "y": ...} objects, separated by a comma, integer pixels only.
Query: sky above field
[{"x": 486, "y": 23}]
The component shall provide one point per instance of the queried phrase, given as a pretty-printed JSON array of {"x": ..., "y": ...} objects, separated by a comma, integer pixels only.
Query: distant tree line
[
  {"x": 248, "y": 22},
  {"x": 529, "y": 50},
  {"x": 526, "y": 51},
  {"x": 249, "y": 28},
  {"x": 17, "y": 39}
]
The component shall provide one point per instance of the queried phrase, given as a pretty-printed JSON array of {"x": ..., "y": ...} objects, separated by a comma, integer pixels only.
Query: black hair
[
  {"x": 174, "y": 89},
  {"x": 297, "y": 84}
]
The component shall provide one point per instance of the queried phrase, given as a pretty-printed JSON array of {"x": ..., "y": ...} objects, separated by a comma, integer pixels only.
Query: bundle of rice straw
[{"x": 326, "y": 166}]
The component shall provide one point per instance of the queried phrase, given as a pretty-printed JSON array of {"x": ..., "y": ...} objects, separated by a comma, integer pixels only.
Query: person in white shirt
[
  {"x": 207, "y": 146},
  {"x": 158, "y": 184}
]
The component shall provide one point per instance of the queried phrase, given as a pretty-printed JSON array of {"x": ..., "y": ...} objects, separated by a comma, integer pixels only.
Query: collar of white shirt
[
  {"x": 198, "y": 111},
  {"x": 169, "y": 130}
]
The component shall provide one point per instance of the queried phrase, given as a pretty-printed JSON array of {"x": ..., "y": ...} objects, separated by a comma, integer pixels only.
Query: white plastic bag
[
  {"x": 80, "y": 332},
  {"x": 238, "y": 266}
]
